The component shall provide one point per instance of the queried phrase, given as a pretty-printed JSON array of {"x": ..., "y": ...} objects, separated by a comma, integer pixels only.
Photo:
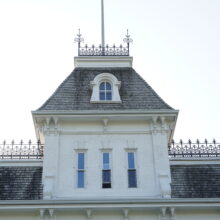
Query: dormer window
[{"x": 105, "y": 89}]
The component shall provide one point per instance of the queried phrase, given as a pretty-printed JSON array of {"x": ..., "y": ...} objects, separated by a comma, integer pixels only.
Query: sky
[{"x": 176, "y": 49}]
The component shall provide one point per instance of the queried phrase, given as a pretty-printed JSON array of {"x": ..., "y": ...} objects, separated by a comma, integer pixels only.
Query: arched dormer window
[{"x": 105, "y": 89}]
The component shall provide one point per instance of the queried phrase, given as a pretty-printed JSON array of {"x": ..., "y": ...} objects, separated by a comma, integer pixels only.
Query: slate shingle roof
[
  {"x": 75, "y": 92},
  {"x": 195, "y": 181},
  {"x": 20, "y": 183},
  {"x": 188, "y": 181}
]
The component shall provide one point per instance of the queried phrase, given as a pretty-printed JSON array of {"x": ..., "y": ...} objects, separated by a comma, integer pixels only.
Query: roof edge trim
[
  {"x": 115, "y": 112},
  {"x": 103, "y": 61}
]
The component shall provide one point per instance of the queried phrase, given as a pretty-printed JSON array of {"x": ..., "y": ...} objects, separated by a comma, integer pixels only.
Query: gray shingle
[
  {"x": 195, "y": 181},
  {"x": 20, "y": 183},
  {"x": 75, "y": 92}
]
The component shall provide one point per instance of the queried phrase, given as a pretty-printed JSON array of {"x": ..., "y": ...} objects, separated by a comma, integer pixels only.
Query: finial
[
  {"x": 128, "y": 40},
  {"x": 79, "y": 38}
]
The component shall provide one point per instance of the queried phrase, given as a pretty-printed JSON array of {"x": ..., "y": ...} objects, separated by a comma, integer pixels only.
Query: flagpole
[{"x": 103, "y": 27}]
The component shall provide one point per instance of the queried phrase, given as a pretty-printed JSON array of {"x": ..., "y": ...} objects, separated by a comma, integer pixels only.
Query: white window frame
[
  {"x": 77, "y": 168},
  {"x": 95, "y": 98},
  {"x": 110, "y": 168},
  {"x": 105, "y": 91},
  {"x": 135, "y": 168}
]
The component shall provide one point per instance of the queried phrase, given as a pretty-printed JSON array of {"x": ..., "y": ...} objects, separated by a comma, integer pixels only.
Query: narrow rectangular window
[
  {"x": 81, "y": 170},
  {"x": 132, "y": 177},
  {"x": 106, "y": 170}
]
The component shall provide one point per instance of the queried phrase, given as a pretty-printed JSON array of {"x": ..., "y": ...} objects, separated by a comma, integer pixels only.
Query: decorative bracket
[
  {"x": 41, "y": 215},
  {"x": 51, "y": 126},
  {"x": 163, "y": 212},
  {"x": 45, "y": 213},
  {"x": 88, "y": 214},
  {"x": 126, "y": 212},
  {"x": 172, "y": 213},
  {"x": 105, "y": 124},
  {"x": 51, "y": 213}
]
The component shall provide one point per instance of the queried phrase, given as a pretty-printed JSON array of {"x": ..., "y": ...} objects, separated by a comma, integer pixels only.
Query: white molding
[
  {"x": 194, "y": 161},
  {"x": 74, "y": 132},
  {"x": 106, "y": 112},
  {"x": 106, "y": 102},
  {"x": 21, "y": 163},
  {"x": 103, "y": 61},
  {"x": 186, "y": 204},
  {"x": 115, "y": 86}
]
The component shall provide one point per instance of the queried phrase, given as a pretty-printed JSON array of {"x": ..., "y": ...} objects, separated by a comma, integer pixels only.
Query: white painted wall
[{"x": 118, "y": 137}]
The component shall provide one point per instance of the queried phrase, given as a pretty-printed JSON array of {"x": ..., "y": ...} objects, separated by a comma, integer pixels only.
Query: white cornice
[
  {"x": 103, "y": 61},
  {"x": 110, "y": 203},
  {"x": 106, "y": 112},
  {"x": 194, "y": 161},
  {"x": 21, "y": 163}
]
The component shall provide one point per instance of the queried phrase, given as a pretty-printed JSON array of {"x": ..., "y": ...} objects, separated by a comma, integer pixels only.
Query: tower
[
  {"x": 105, "y": 130},
  {"x": 105, "y": 151}
]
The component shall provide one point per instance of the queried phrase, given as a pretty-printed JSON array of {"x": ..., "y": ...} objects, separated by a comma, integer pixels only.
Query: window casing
[
  {"x": 106, "y": 170},
  {"x": 132, "y": 173},
  {"x": 105, "y": 89},
  {"x": 80, "y": 170}
]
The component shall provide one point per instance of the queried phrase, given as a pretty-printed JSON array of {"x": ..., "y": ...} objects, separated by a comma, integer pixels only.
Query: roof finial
[
  {"x": 128, "y": 40},
  {"x": 78, "y": 40},
  {"x": 103, "y": 26}
]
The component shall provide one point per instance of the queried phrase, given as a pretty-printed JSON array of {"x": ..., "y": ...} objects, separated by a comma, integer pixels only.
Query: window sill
[{"x": 107, "y": 101}]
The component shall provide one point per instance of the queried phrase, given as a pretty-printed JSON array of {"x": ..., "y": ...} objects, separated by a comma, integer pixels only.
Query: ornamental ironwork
[
  {"x": 194, "y": 149},
  {"x": 105, "y": 50},
  {"x": 21, "y": 150}
]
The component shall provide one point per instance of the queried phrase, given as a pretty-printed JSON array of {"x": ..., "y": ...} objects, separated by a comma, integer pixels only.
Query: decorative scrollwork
[
  {"x": 197, "y": 149},
  {"x": 103, "y": 50},
  {"x": 21, "y": 150},
  {"x": 100, "y": 51}
]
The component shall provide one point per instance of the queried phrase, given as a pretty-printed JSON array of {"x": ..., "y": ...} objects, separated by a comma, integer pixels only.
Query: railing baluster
[
  {"x": 106, "y": 51},
  {"x": 197, "y": 149},
  {"x": 21, "y": 151}
]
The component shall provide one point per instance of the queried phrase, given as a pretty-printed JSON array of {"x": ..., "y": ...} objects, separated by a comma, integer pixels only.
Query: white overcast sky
[{"x": 176, "y": 50}]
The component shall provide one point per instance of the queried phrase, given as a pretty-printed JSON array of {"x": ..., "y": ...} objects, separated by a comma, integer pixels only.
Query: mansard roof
[
  {"x": 195, "y": 181},
  {"x": 20, "y": 183},
  {"x": 75, "y": 92},
  {"x": 188, "y": 181}
]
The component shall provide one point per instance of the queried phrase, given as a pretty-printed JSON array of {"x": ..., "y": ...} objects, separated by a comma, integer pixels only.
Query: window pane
[
  {"x": 106, "y": 176},
  {"x": 108, "y": 86},
  {"x": 102, "y": 95},
  {"x": 131, "y": 164},
  {"x": 132, "y": 179},
  {"x": 106, "y": 179},
  {"x": 108, "y": 95},
  {"x": 80, "y": 183},
  {"x": 106, "y": 164},
  {"x": 102, "y": 86},
  {"x": 81, "y": 161}
]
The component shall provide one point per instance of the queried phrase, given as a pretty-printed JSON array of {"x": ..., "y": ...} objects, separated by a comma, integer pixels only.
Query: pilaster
[
  {"x": 159, "y": 133},
  {"x": 51, "y": 157}
]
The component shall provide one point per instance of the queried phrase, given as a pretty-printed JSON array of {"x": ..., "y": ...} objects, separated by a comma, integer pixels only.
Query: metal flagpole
[{"x": 103, "y": 27}]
